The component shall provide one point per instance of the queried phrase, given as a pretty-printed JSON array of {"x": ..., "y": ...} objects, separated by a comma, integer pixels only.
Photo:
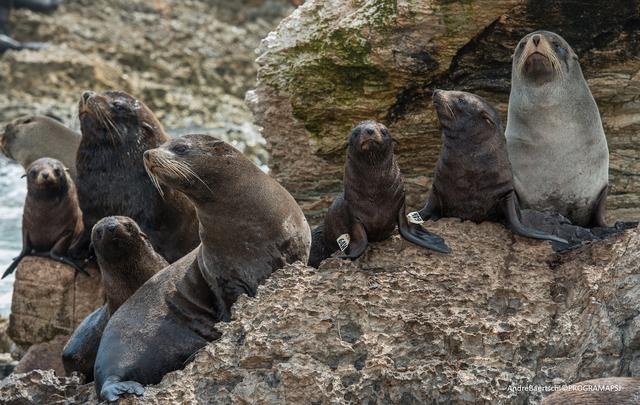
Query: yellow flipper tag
[
  {"x": 343, "y": 241},
  {"x": 415, "y": 218}
]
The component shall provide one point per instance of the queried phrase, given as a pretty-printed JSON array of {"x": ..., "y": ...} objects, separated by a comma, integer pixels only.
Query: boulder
[
  {"x": 50, "y": 299},
  {"x": 406, "y": 325},
  {"x": 333, "y": 63},
  {"x": 44, "y": 356}
]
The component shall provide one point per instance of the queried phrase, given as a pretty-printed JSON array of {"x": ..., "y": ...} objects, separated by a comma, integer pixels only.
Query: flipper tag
[
  {"x": 415, "y": 218},
  {"x": 343, "y": 241}
]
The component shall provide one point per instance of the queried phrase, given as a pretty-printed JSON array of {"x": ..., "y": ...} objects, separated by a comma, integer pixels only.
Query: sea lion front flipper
[
  {"x": 356, "y": 243},
  {"x": 416, "y": 234},
  {"x": 113, "y": 389},
  {"x": 510, "y": 211},
  {"x": 600, "y": 210},
  {"x": 26, "y": 249},
  {"x": 432, "y": 209}
]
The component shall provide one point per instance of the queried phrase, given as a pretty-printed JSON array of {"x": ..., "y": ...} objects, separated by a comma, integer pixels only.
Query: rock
[
  {"x": 405, "y": 325},
  {"x": 190, "y": 70},
  {"x": 331, "y": 64},
  {"x": 50, "y": 299},
  {"x": 44, "y": 387},
  {"x": 7, "y": 363},
  {"x": 44, "y": 356}
]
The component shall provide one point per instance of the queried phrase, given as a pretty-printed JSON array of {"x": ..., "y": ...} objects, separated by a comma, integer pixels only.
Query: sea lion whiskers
[{"x": 154, "y": 180}]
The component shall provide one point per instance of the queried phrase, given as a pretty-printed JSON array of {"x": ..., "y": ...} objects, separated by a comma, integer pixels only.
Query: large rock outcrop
[
  {"x": 404, "y": 325},
  {"x": 332, "y": 63}
]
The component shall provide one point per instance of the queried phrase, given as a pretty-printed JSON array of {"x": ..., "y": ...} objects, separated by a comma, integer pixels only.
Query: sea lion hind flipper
[
  {"x": 600, "y": 210},
  {"x": 416, "y": 234},
  {"x": 62, "y": 259},
  {"x": 13, "y": 265},
  {"x": 319, "y": 249},
  {"x": 112, "y": 389},
  {"x": 510, "y": 211}
]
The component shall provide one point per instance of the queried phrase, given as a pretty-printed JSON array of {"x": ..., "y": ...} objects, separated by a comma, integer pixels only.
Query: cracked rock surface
[{"x": 405, "y": 325}]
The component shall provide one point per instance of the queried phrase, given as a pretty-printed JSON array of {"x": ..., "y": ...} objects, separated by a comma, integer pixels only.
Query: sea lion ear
[
  {"x": 144, "y": 235},
  {"x": 66, "y": 169},
  {"x": 23, "y": 176},
  {"x": 395, "y": 141}
]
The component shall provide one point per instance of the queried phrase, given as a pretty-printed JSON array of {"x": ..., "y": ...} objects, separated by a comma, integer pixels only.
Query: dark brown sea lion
[
  {"x": 52, "y": 219},
  {"x": 373, "y": 202},
  {"x": 127, "y": 260},
  {"x": 27, "y": 139},
  {"x": 249, "y": 227},
  {"x": 600, "y": 391},
  {"x": 473, "y": 179},
  {"x": 555, "y": 139},
  {"x": 116, "y": 130}
]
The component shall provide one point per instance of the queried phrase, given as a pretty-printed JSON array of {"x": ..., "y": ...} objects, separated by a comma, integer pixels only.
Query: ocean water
[{"x": 13, "y": 190}]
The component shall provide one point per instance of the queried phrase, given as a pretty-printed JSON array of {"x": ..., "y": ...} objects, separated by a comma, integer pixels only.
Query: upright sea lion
[
  {"x": 555, "y": 138},
  {"x": 249, "y": 227},
  {"x": 127, "y": 260},
  {"x": 27, "y": 139},
  {"x": 112, "y": 180},
  {"x": 52, "y": 219},
  {"x": 473, "y": 179},
  {"x": 373, "y": 202},
  {"x": 600, "y": 391}
]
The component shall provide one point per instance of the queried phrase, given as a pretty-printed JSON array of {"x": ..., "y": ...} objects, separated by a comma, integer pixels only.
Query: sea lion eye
[
  {"x": 180, "y": 149},
  {"x": 118, "y": 106},
  {"x": 57, "y": 172},
  {"x": 385, "y": 132},
  {"x": 462, "y": 101}
]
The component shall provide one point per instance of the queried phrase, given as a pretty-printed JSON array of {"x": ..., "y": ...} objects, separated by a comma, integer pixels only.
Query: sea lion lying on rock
[
  {"x": 556, "y": 143},
  {"x": 249, "y": 227},
  {"x": 116, "y": 130},
  {"x": 27, "y": 139},
  {"x": 52, "y": 219},
  {"x": 373, "y": 202},
  {"x": 127, "y": 260},
  {"x": 473, "y": 179}
]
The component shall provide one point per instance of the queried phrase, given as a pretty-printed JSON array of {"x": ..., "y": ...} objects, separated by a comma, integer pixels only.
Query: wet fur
[
  {"x": 112, "y": 179},
  {"x": 250, "y": 226}
]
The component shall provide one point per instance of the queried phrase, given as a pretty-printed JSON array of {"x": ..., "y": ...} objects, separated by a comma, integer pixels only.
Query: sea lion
[
  {"x": 27, "y": 139},
  {"x": 555, "y": 140},
  {"x": 373, "y": 202},
  {"x": 52, "y": 219},
  {"x": 600, "y": 391},
  {"x": 126, "y": 260},
  {"x": 112, "y": 180},
  {"x": 473, "y": 179},
  {"x": 249, "y": 227}
]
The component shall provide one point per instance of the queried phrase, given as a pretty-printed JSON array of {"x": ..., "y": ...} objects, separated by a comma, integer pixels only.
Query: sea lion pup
[
  {"x": 27, "y": 139},
  {"x": 116, "y": 130},
  {"x": 555, "y": 139},
  {"x": 600, "y": 391},
  {"x": 373, "y": 202},
  {"x": 52, "y": 218},
  {"x": 127, "y": 260},
  {"x": 249, "y": 227},
  {"x": 472, "y": 179}
]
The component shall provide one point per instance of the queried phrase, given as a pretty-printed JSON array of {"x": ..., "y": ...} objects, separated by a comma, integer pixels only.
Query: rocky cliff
[
  {"x": 333, "y": 63},
  {"x": 404, "y": 325}
]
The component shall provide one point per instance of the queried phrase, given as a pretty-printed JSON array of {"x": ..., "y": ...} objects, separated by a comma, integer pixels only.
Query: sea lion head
[
  {"x": 196, "y": 165},
  {"x": 542, "y": 57},
  {"x": 116, "y": 117},
  {"x": 117, "y": 238},
  {"x": 465, "y": 116},
  {"x": 47, "y": 175},
  {"x": 15, "y": 137},
  {"x": 370, "y": 140}
]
